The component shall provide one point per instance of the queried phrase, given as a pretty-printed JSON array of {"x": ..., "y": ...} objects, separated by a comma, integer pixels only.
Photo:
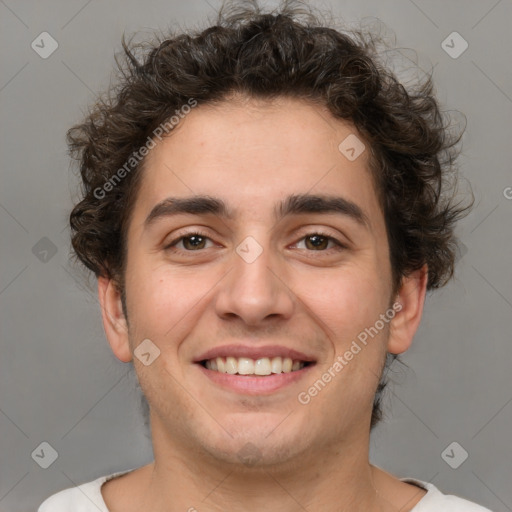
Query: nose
[{"x": 255, "y": 290}]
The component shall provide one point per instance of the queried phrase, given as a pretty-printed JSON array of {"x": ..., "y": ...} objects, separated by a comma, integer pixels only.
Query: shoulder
[
  {"x": 86, "y": 497},
  {"x": 435, "y": 500}
]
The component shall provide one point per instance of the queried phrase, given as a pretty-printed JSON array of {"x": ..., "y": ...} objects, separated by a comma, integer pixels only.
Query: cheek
[
  {"x": 348, "y": 300},
  {"x": 170, "y": 401},
  {"x": 160, "y": 301}
]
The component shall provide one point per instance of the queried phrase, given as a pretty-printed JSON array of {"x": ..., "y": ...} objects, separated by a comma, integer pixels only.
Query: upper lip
[{"x": 252, "y": 352}]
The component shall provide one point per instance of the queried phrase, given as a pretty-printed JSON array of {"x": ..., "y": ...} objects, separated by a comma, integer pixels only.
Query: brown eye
[
  {"x": 320, "y": 242},
  {"x": 194, "y": 242},
  {"x": 317, "y": 242},
  {"x": 188, "y": 243}
]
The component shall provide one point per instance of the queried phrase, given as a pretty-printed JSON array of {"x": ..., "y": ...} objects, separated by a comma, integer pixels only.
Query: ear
[
  {"x": 409, "y": 306},
  {"x": 114, "y": 321}
]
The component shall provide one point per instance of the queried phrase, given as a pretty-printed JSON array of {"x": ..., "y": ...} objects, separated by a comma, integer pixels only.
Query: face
[{"x": 262, "y": 275}]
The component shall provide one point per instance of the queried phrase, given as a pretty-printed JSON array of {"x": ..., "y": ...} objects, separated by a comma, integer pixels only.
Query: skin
[{"x": 251, "y": 154}]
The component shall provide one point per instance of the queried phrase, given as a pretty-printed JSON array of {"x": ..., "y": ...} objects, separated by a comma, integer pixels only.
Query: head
[{"x": 293, "y": 134}]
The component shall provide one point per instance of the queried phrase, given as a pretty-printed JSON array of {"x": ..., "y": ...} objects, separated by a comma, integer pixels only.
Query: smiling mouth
[{"x": 244, "y": 366}]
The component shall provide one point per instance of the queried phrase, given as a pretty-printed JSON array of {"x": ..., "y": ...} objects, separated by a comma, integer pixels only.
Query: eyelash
[{"x": 170, "y": 246}]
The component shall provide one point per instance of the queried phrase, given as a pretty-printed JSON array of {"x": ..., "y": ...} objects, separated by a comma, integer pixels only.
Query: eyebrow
[{"x": 294, "y": 204}]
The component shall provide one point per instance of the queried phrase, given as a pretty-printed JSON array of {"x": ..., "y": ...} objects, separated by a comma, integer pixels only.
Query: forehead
[{"x": 252, "y": 153}]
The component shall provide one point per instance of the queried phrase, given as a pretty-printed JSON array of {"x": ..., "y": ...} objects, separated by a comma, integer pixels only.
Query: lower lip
[{"x": 255, "y": 384}]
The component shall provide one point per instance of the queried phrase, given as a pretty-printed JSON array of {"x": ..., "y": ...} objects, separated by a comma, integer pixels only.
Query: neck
[{"x": 329, "y": 479}]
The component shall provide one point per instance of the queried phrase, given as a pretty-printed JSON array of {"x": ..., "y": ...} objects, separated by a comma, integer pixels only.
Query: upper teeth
[{"x": 247, "y": 366}]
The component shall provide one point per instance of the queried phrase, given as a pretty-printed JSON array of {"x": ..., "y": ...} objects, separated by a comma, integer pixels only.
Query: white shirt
[{"x": 88, "y": 498}]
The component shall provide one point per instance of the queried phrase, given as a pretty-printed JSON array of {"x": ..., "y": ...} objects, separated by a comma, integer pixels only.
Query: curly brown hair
[{"x": 268, "y": 55}]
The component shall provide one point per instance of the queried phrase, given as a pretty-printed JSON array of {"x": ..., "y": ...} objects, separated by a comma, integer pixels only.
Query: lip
[
  {"x": 255, "y": 384},
  {"x": 253, "y": 352}
]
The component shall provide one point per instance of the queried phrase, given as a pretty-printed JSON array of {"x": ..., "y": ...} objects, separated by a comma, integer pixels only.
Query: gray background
[{"x": 59, "y": 381}]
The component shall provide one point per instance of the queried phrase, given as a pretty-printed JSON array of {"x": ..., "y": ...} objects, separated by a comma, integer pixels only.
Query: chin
[{"x": 257, "y": 449}]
